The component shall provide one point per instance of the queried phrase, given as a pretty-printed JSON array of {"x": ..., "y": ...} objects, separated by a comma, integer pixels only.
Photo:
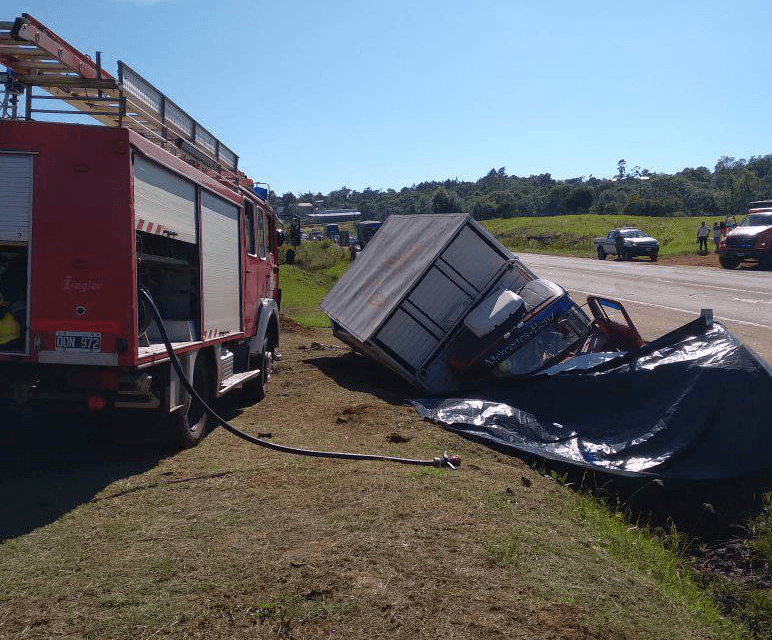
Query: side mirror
[{"x": 280, "y": 237}]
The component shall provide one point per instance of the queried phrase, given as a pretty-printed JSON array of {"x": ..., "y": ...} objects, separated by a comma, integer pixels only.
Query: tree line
[{"x": 691, "y": 192}]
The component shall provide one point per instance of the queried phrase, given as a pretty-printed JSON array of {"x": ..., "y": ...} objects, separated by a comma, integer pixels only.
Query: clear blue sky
[{"x": 317, "y": 95}]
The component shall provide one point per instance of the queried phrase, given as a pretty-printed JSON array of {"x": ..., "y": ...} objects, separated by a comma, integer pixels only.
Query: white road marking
[
  {"x": 679, "y": 282},
  {"x": 661, "y": 306},
  {"x": 747, "y": 301}
]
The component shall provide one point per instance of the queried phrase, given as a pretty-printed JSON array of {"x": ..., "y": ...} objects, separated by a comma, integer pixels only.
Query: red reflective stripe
[{"x": 139, "y": 224}]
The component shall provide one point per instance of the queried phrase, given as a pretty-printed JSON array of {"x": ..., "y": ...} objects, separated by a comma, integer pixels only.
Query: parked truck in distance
[
  {"x": 366, "y": 230},
  {"x": 92, "y": 216},
  {"x": 751, "y": 240},
  {"x": 332, "y": 231},
  {"x": 626, "y": 243}
]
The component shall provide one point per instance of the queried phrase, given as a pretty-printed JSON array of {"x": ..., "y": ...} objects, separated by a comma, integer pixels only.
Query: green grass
[
  {"x": 572, "y": 235},
  {"x": 317, "y": 266},
  {"x": 761, "y": 528}
]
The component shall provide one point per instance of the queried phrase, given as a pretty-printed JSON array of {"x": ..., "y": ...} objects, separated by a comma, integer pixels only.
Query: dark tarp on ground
[{"x": 693, "y": 405}]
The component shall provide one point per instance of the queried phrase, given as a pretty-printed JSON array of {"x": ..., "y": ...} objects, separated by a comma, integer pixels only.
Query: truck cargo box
[{"x": 406, "y": 300}]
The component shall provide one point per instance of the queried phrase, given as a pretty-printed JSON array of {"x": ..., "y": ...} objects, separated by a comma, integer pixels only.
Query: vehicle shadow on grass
[
  {"x": 356, "y": 372},
  {"x": 56, "y": 458}
]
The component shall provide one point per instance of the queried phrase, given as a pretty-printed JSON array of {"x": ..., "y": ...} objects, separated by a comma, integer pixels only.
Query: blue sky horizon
[{"x": 316, "y": 96}]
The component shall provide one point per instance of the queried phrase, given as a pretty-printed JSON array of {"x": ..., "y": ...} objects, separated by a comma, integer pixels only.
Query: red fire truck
[{"x": 90, "y": 213}]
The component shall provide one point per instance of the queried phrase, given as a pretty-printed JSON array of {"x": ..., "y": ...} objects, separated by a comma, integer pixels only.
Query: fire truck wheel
[
  {"x": 190, "y": 425},
  {"x": 256, "y": 388},
  {"x": 289, "y": 258},
  {"x": 601, "y": 254}
]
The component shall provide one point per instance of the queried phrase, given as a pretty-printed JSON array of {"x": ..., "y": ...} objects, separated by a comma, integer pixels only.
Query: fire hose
[{"x": 451, "y": 462}]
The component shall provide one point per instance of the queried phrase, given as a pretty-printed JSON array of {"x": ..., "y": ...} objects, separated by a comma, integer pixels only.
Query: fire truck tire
[
  {"x": 190, "y": 425},
  {"x": 289, "y": 258},
  {"x": 257, "y": 388},
  {"x": 653, "y": 257},
  {"x": 601, "y": 254}
]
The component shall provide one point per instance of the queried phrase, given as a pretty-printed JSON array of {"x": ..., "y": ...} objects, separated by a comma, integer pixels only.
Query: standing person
[
  {"x": 731, "y": 223},
  {"x": 716, "y": 234},
  {"x": 702, "y": 239},
  {"x": 619, "y": 243}
]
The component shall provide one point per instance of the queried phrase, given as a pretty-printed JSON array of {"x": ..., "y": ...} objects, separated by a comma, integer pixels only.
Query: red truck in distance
[{"x": 751, "y": 240}]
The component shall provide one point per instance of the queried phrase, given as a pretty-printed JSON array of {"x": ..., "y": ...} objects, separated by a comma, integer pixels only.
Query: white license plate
[{"x": 78, "y": 341}]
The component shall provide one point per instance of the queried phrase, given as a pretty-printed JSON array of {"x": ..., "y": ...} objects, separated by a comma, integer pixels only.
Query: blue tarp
[{"x": 695, "y": 404}]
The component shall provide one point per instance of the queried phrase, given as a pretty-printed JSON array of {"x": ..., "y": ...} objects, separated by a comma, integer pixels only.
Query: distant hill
[{"x": 726, "y": 189}]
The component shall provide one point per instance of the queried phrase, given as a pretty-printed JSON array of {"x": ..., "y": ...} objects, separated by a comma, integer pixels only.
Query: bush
[{"x": 317, "y": 256}]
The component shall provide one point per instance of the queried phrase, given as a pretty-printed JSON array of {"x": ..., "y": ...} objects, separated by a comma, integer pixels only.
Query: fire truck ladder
[{"x": 36, "y": 57}]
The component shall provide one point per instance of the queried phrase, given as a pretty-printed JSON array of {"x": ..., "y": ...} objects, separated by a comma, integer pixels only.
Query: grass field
[
  {"x": 104, "y": 540},
  {"x": 572, "y": 235}
]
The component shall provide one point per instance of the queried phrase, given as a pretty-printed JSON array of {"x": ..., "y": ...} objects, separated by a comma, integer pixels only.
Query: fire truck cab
[{"x": 91, "y": 213}]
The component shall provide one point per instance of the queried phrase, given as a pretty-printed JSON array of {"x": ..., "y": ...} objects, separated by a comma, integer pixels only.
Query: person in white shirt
[{"x": 702, "y": 239}]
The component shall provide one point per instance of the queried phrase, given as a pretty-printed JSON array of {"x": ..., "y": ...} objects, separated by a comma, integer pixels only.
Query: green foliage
[
  {"x": 691, "y": 192},
  {"x": 658, "y": 556},
  {"x": 761, "y": 530},
  {"x": 318, "y": 266},
  {"x": 320, "y": 255},
  {"x": 743, "y": 602},
  {"x": 444, "y": 201}
]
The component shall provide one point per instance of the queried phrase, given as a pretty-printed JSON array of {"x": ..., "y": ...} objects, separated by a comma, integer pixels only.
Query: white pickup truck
[{"x": 626, "y": 242}]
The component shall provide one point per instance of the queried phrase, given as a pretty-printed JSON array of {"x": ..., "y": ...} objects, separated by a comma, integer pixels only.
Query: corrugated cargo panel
[
  {"x": 15, "y": 196},
  {"x": 220, "y": 266},
  {"x": 392, "y": 263},
  {"x": 407, "y": 339},
  {"x": 164, "y": 198},
  {"x": 440, "y": 298},
  {"x": 474, "y": 259}
]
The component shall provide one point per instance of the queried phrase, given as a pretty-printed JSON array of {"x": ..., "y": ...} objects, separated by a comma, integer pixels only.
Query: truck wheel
[
  {"x": 627, "y": 255},
  {"x": 727, "y": 262},
  {"x": 256, "y": 388},
  {"x": 289, "y": 258},
  {"x": 190, "y": 424},
  {"x": 766, "y": 262},
  {"x": 601, "y": 254},
  {"x": 653, "y": 257}
]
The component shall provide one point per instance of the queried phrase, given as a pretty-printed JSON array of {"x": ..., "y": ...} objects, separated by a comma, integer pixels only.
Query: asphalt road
[{"x": 660, "y": 298}]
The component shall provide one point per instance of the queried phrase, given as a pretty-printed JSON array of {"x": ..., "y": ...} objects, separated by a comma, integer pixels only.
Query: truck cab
[
  {"x": 332, "y": 231},
  {"x": 751, "y": 240}
]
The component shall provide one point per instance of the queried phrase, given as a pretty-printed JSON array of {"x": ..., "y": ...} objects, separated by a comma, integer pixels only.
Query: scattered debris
[
  {"x": 356, "y": 409},
  {"x": 318, "y": 346}
]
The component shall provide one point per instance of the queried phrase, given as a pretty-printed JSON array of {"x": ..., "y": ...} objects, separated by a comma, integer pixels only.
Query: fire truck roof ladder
[{"x": 37, "y": 57}]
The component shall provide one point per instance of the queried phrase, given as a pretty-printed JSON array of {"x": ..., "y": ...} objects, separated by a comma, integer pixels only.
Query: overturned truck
[{"x": 439, "y": 300}]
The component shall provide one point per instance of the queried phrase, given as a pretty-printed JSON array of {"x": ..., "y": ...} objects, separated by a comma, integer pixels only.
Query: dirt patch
[
  {"x": 734, "y": 559},
  {"x": 710, "y": 260}
]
